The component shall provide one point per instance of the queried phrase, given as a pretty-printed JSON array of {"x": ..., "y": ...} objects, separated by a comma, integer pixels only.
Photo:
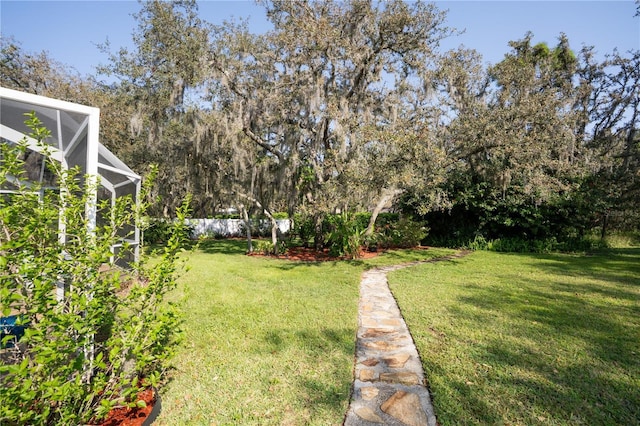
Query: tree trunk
[
  {"x": 318, "y": 237},
  {"x": 274, "y": 230},
  {"x": 274, "y": 223},
  {"x": 247, "y": 225},
  {"x": 386, "y": 196},
  {"x": 605, "y": 218}
]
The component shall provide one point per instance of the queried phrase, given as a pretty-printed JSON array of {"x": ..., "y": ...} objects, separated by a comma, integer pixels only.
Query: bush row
[
  {"x": 344, "y": 234},
  {"x": 521, "y": 245},
  {"x": 92, "y": 335}
]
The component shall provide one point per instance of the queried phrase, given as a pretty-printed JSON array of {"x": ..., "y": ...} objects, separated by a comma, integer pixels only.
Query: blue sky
[{"x": 70, "y": 30}]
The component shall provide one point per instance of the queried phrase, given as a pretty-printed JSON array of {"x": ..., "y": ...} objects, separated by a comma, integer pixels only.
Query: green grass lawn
[
  {"x": 519, "y": 339},
  {"x": 267, "y": 341}
]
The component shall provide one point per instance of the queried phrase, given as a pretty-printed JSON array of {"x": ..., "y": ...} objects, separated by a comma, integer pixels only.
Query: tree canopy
[{"x": 353, "y": 106}]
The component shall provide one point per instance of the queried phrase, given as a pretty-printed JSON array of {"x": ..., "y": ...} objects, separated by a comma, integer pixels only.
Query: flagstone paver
[{"x": 389, "y": 385}]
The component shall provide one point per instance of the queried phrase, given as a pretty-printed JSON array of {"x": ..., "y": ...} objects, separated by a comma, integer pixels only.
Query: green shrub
[
  {"x": 303, "y": 229},
  {"x": 111, "y": 334},
  {"x": 548, "y": 245},
  {"x": 226, "y": 216},
  {"x": 403, "y": 233},
  {"x": 345, "y": 237},
  {"x": 159, "y": 231},
  {"x": 362, "y": 219},
  {"x": 263, "y": 246},
  {"x": 478, "y": 243},
  {"x": 344, "y": 233},
  {"x": 267, "y": 248}
]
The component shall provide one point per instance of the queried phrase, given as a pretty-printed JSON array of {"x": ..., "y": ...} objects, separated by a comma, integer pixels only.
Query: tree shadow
[
  {"x": 288, "y": 265},
  {"x": 595, "y": 384},
  {"x": 472, "y": 409},
  {"x": 621, "y": 266},
  {"x": 578, "y": 393},
  {"x": 328, "y": 390},
  {"x": 316, "y": 342},
  {"x": 222, "y": 246}
]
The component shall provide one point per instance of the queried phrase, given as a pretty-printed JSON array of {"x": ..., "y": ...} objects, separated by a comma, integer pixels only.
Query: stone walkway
[{"x": 389, "y": 386}]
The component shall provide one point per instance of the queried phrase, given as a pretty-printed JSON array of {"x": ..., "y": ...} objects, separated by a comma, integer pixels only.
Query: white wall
[{"x": 231, "y": 227}]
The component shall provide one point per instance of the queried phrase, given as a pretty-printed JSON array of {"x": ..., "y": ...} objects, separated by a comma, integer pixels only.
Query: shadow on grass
[
  {"x": 223, "y": 246},
  {"x": 621, "y": 266},
  {"x": 314, "y": 342},
  {"x": 568, "y": 349},
  {"x": 327, "y": 389},
  {"x": 470, "y": 408},
  {"x": 567, "y": 393}
]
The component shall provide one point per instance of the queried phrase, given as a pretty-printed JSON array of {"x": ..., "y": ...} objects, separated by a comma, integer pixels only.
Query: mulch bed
[
  {"x": 310, "y": 255},
  {"x": 125, "y": 416}
]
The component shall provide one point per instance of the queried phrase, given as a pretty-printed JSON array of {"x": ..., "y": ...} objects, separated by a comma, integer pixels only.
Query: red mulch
[
  {"x": 311, "y": 255},
  {"x": 125, "y": 416}
]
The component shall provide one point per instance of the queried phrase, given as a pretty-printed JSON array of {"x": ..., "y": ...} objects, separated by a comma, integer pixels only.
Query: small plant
[
  {"x": 479, "y": 243},
  {"x": 95, "y": 335},
  {"x": 303, "y": 229},
  {"x": 266, "y": 247},
  {"x": 159, "y": 231},
  {"x": 345, "y": 238},
  {"x": 403, "y": 233}
]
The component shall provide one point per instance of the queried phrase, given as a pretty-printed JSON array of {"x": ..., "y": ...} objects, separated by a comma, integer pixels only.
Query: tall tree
[
  {"x": 614, "y": 112},
  {"x": 515, "y": 139},
  {"x": 303, "y": 94},
  {"x": 159, "y": 80}
]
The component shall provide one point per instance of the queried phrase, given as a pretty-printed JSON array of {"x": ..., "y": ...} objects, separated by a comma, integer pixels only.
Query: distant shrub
[
  {"x": 267, "y": 248},
  {"x": 226, "y": 216},
  {"x": 402, "y": 233},
  {"x": 345, "y": 237},
  {"x": 303, "y": 229},
  {"x": 160, "y": 230},
  {"x": 547, "y": 245}
]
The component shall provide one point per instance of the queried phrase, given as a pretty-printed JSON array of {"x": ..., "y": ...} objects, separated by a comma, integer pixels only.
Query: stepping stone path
[{"x": 389, "y": 386}]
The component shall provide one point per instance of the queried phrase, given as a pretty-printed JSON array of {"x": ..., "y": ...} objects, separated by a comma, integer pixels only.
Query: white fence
[{"x": 233, "y": 227}]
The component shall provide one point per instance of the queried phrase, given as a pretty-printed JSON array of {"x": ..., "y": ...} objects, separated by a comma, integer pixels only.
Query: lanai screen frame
[{"x": 75, "y": 129}]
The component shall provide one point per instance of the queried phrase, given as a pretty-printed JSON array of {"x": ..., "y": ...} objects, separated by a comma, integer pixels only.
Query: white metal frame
[{"x": 77, "y": 120}]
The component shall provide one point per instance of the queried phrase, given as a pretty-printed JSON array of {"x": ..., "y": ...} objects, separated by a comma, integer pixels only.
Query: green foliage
[
  {"x": 527, "y": 339},
  {"x": 267, "y": 248},
  {"x": 345, "y": 237},
  {"x": 404, "y": 233},
  {"x": 520, "y": 222},
  {"x": 622, "y": 239},
  {"x": 159, "y": 231},
  {"x": 345, "y": 232},
  {"x": 112, "y": 332},
  {"x": 548, "y": 245},
  {"x": 302, "y": 228},
  {"x": 225, "y": 216}
]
